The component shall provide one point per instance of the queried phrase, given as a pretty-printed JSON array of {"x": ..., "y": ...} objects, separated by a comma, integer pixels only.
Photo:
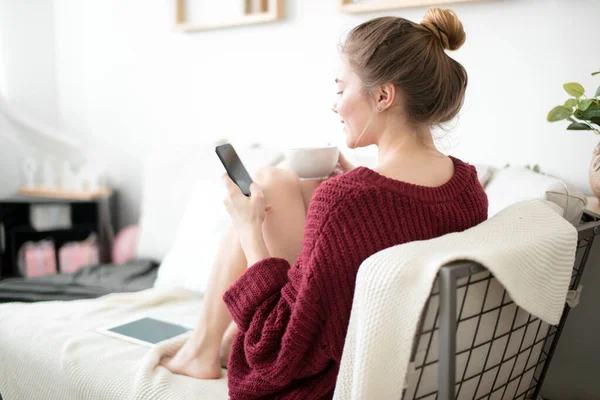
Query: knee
[{"x": 268, "y": 177}]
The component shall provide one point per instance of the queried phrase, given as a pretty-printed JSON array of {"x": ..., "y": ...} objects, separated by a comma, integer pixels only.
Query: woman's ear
[{"x": 386, "y": 96}]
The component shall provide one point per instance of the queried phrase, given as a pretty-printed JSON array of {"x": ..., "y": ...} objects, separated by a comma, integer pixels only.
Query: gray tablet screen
[{"x": 150, "y": 330}]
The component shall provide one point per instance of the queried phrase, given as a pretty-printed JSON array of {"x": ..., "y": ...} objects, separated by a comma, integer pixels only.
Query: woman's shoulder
[
  {"x": 339, "y": 194},
  {"x": 340, "y": 188}
]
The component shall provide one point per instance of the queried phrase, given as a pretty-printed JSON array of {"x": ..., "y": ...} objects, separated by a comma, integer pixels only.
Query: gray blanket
[{"x": 87, "y": 283}]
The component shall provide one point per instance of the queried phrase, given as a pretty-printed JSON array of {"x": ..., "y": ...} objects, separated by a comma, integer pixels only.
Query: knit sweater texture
[{"x": 293, "y": 319}]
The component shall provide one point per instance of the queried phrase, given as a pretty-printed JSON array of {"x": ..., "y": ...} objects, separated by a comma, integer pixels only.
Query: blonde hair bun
[{"x": 446, "y": 26}]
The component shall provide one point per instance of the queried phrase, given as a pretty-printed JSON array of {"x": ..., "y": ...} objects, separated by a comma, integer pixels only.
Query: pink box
[
  {"x": 73, "y": 256},
  {"x": 39, "y": 259}
]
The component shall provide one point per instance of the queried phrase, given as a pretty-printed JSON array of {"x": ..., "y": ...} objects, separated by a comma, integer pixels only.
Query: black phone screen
[{"x": 234, "y": 167}]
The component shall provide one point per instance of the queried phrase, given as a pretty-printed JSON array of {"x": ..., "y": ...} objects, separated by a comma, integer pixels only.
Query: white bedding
[{"x": 62, "y": 357}]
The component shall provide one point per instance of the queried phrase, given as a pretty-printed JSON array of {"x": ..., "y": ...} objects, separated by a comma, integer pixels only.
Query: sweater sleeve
[
  {"x": 260, "y": 282},
  {"x": 281, "y": 320},
  {"x": 282, "y": 311}
]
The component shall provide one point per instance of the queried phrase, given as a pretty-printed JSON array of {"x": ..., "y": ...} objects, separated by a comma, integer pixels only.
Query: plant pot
[{"x": 595, "y": 172}]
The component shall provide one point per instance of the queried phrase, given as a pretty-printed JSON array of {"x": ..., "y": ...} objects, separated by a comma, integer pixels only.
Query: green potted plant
[{"x": 583, "y": 113}]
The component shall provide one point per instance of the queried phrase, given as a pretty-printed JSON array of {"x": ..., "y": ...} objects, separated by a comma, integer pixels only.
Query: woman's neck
[{"x": 403, "y": 143}]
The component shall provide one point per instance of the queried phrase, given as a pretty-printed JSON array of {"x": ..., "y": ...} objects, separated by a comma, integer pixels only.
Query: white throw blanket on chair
[{"x": 528, "y": 247}]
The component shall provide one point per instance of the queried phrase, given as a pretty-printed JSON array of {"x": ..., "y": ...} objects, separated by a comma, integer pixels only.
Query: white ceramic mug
[{"x": 312, "y": 162}]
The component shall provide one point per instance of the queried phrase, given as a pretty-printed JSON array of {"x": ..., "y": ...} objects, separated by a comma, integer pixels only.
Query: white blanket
[
  {"x": 52, "y": 351},
  {"x": 528, "y": 247}
]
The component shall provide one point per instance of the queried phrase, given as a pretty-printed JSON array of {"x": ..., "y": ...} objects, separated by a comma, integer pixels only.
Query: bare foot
[
  {"x": 192, "y": 361},
  {"x": 230, "y": 333}
]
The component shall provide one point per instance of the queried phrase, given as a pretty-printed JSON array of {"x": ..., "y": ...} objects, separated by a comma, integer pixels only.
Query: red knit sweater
[{"x": 293, "y": 320}]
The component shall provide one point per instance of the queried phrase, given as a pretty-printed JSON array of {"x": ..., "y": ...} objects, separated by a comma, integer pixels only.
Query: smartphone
[{"x": 234, "y": 167}]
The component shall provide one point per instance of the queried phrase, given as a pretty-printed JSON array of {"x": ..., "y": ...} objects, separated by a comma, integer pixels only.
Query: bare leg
[
  {"x": 227, "y": 342},
  {"x": 307, "y": 187},
  {"x": 283, "y": 229},
  {"x": 199, "y": 355}
]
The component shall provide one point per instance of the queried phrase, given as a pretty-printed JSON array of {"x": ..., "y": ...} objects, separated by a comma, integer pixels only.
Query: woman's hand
[
  {"x": 246, "y": 213},
  {"x": 342, "y": 166},
  {"x": 247, "y": 216}
]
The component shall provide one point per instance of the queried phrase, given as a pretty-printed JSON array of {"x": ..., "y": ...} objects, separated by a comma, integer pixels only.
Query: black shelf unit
[{"x": 87, "y": 217}]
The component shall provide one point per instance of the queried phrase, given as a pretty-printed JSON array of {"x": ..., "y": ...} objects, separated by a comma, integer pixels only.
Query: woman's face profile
[{"x": 352, "y": 106}]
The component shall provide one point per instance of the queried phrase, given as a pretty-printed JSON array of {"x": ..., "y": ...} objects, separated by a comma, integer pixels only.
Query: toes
[{"x": 165, "y": 361}]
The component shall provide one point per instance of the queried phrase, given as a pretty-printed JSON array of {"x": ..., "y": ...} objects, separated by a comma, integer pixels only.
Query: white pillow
[
  {"x": 510, "y": 185},
  {"x": 189, "y": 261},
  {"x": 170, "y": 171},
  {"x": 484, "y": 173}
]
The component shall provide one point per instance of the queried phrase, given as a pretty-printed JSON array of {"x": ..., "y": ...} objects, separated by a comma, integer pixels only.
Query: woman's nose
[{"x": 334, "y": 108}]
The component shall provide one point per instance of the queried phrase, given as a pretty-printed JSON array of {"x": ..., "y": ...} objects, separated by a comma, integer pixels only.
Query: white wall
[
  {"x": 27, "y": 79},
  {"x": 126, "y": 76}
]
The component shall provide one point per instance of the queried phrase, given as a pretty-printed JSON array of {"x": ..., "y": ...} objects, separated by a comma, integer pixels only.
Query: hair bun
[{"x": 446, "y": 26}]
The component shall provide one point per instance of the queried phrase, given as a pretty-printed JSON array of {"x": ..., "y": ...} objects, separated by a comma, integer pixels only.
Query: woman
[{"x": 286, "y": 271}]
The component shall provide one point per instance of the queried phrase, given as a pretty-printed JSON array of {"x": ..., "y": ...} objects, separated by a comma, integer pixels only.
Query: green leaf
[
  {"x": 578, "y": 126},
  {"x": 595, "y": 73},
  {"x": 574, "y": 89},
  {"x": 559, "y": 113},
  {"x": 571, "y": 103},
  {"x": 597, "y": 92},
  {"x": 585, "y": 104},
  {"x": 590, "y": 112}
]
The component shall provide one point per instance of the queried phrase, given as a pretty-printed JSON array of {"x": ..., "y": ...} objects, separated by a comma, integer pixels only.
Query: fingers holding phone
[
  {"x": 239, "y": 185},
  {"x": 245, "y": 212}
]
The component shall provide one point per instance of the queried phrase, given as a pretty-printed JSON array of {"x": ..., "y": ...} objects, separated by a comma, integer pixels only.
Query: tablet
[{"x": 146, "y": 331}]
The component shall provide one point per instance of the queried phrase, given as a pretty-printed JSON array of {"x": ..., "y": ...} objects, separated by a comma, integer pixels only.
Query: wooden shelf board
[
  {"x": 275, "y": 13},
  {"x": 383, "y": 5},
  {"x": 250, "y": 19},
  {"x": 64, "y": 194}
]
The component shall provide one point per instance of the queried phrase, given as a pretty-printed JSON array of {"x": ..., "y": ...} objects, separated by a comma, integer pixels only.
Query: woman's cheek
[
  {"x": 340, "y": 106},
  {"x": 344, "y": 110}
]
